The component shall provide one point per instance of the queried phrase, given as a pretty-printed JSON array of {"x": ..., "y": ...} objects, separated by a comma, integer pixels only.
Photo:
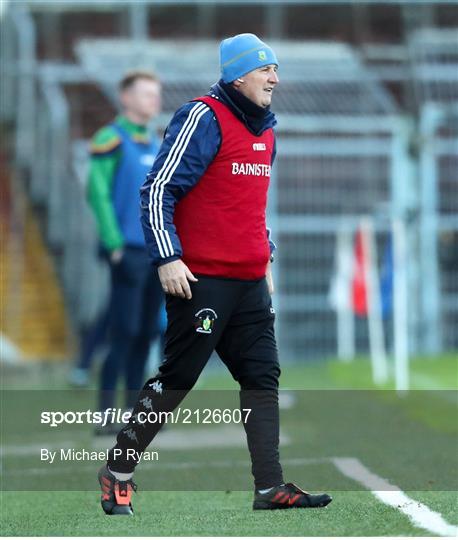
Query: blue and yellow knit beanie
[{"x": 243, "y": 53}]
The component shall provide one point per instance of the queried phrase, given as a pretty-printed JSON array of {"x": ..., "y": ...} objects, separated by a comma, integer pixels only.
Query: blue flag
[{"x": 386, "y": 279}]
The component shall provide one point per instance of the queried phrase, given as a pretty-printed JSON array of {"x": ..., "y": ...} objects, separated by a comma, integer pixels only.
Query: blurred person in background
[
  {"x": 122, "y": 153},
  {"x": 204, "y": 205},
  {"x": 93, "y": 340}
]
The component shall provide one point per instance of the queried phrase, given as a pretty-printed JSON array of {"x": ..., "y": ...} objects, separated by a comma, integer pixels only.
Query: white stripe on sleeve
[{"x": 165, "y": 174}]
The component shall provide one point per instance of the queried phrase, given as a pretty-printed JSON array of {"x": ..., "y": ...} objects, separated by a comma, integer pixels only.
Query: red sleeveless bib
[{"x": 221, "y": 222}]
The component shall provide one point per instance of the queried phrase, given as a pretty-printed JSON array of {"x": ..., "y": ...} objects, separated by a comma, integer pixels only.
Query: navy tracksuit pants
[
  {"x": 134, "y": 321},
  {"x": 236, "y": 319}
]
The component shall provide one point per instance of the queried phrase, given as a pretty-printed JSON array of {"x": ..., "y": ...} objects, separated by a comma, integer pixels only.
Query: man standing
[
  {"x": 122, "y": 154},
  {"x": 203, "y": 214}
]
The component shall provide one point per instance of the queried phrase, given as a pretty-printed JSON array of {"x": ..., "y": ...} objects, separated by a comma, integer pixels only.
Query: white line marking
[{"x": 419, "y": 514}]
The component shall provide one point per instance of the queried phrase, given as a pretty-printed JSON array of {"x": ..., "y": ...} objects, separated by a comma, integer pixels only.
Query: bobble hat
[{"x": 243, "y": 53}]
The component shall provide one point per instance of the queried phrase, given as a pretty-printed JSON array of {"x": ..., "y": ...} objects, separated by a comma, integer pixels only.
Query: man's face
[
  {"x": 143, "y": 99},
  {"x": 259, "y": 84}
]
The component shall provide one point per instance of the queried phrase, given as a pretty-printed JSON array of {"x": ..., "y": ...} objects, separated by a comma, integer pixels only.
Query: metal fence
[
  {"x": 338, "y": 157},
  {"x": 434, "y": 57},
  {"x": 327, "y": 180}
]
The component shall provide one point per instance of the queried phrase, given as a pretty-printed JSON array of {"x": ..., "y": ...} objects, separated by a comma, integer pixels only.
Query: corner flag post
[
  {"x": 400, "y": 310},
  {"x": 345, "y": 316}
]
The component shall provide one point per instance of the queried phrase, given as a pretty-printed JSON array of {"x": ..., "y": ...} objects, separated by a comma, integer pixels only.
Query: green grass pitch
[{"x": 403, "y": 438}]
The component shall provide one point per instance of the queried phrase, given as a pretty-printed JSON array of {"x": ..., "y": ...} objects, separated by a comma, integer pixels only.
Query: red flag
[{"x": 359, "y": 294}]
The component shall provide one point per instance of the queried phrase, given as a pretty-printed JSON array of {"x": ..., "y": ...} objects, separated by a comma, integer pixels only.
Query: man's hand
[
  {"x": 269, "y": 279},
  {"x": 174, "y": 277}
]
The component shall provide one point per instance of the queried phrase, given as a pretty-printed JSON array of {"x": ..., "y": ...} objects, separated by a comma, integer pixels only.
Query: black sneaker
[
  {"x": 116, "y": 494},
  {"x": 289, "y": 496}
]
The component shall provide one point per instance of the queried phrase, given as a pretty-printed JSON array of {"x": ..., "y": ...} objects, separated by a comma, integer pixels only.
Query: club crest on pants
[{"x": 205, "y": 319}]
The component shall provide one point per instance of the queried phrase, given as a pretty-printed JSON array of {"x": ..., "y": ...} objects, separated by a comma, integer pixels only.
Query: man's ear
[{"x": 237, "y": 83}]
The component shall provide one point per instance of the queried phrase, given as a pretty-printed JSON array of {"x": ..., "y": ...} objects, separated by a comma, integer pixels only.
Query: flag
[
  {"x": 386, "y": 279},
  {"x": 359, "y": 288}
]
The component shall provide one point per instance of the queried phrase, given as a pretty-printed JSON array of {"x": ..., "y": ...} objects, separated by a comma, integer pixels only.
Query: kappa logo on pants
[
  {"x": 156, "y": 386},
  {"x": 205, "y": 319},
  {"x": 131, "y": 434}
]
